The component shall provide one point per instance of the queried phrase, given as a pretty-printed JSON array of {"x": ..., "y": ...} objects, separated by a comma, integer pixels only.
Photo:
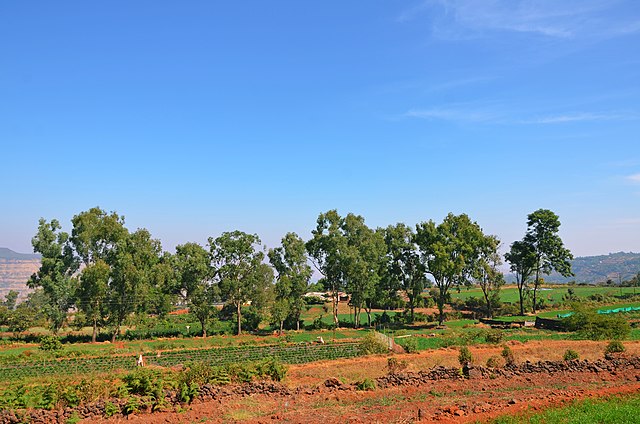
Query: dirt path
[{"x": 307, "y": 398}]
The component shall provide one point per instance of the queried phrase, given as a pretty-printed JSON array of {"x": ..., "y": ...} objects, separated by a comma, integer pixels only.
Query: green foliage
[
  {"x": 494, "y": 336},
  {"x": 570, "y": 355},
  {"x": 493, "y": 362},
  {"x": 610, "y": 410},
  {"x": 367, "y": 385},
  {"x": 409, "y": 344},
  {"x": 110, "y": 409},
  {"x": 144, "y": 382},
  {"x": 450, "y": 252},
  {"x": 614, "y": 346},
  {"x": 508, "y": 356},
  {"x": 272, "y": 368},
  {"x": 370, "y": 344},
  {"x": 464, "y": 356},
  {"x": 594, "y": 326},
  {"x": 188, "y": 392},
  {"x": 50, "y": 343},
  {"x": 394, "y": 366},
  {"x": 132, "y": 406}
]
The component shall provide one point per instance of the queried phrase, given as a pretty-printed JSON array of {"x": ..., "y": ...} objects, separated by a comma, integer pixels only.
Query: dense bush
[
  {"x": 370, "y": 344},
  {"x": 50, "y": 343},
  {"x": 494, "y": 336},
  {"x": 366, "y": 384},
  {"x": 493, "y": 362},
  {"x": 409, "y": 344},
  {"x": 464, "y": 357},
  {"x": 594, "y": 326},
  {"x": 570, "y": 355},
  {"x": 614, "y": 346},
  {"x": 508, "y": 356}
]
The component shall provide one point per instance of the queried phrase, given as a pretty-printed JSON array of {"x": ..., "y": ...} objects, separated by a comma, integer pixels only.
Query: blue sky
[{"x": 194, "y": 118}]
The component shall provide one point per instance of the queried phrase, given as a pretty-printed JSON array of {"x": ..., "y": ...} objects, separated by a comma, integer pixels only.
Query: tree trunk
[
  {"x": 238, "y": 306},
  {"x": 95, "y": 330},
  {"x": 115, "y": 333},
  {"x": 298, "y": 322},
  {"x": 281, "y": 326},
  {"x": 535, "y": 290},
  {"x": 440, "y": 302},
  {"x": 334, "y": 300},
  {"x": 520, "y": 287},
  {"x": 203, "y": 323},
  {"x": 488, "y": 302}
]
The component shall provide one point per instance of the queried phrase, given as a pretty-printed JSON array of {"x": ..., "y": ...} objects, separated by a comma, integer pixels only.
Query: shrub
[
  {"x": 494, "y": 336},
  {"x": 366, "y": 384},
  {"x": 508, "y": 356},
  {"x": 50, "y": 343},
  {"x": 464, "y": 357},
  {"x": 370, "y": 344},
  {"x": 493, "y": 362},
  {"x": 144, "y": 382},
  {"x": 409, "y": 344},
  {"x": 594, "y": 326},
  {"x": 188, "y": 392},
  {"x": 394, "y": 366},
  {"x": 272, "y": 368},
  {"x": 614, "y": 346},
  {"x": 110, "y": 409},
  {"x": 570, "y": 355}
]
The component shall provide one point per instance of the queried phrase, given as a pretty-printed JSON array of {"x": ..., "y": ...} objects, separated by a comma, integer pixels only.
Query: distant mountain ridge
[
  {"x": 617, "y": 267},
  {"x": 6, "y": 253}
]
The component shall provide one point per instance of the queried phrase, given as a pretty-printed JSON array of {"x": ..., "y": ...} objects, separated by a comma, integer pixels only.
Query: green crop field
[
  {"x": 550, "y": 293},
  {"x": 612, "y": 410}
]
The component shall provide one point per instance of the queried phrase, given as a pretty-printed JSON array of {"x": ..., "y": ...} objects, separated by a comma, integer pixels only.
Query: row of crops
[{"x": 291, "y": 354}]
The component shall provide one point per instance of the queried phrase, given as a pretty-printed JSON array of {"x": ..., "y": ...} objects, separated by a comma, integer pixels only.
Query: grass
[
  {"x": 616, "y": 409},
  {"x": 550, "y": 293}
]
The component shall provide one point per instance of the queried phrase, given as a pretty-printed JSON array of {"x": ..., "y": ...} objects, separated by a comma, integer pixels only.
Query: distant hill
[
  {"x": 596, "y": 269},
  {"x": 15, "y": 270},
  {"x": 10, "y": 254}
]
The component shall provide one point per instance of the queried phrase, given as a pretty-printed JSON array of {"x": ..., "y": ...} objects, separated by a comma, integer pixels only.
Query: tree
[
  {"x": 448, "y": 252},
  {"x": 487, "y": 274},
  {"x": 241, "y": 275},
  {"x": 92, "y": 290},
  {"x": 133, "y": 262},
  {"x": 363, "y": 260},
  {"x": 550, "y": 254},
  {"x": 96, "y": 234},
  {"x": 521, "y": 258},
  {"x": 325, "y": 249},
  {"x": 292, "y": 279},
  {"x": 95, "y": 237},
  {"x": 195, "y": 281},
  {"x": 10, "y": 299},
  {"x": 55, "y": 275},
  {"x": 404, "y": 268}
]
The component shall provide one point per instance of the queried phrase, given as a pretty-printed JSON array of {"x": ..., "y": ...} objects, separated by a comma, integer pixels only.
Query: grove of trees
[{"x": 105, "y": 273}]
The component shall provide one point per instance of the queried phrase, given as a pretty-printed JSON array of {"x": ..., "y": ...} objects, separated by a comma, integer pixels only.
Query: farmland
[{"x": 29, "y": 374}]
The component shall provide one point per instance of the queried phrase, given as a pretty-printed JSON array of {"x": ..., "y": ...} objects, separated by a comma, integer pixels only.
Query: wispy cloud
[
  {"x": 454, "y": 114},
  {"x": 582, "y": 116},
  {"x": 627, "y": 222},
  {"x": 549, "y": 18},
  {"x": 499, "y": 115},
  {"x": 635, "y": 178}
]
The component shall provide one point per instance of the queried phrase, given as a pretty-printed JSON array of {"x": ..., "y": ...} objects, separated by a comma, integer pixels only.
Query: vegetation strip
[{"x": 291, "y": 354}]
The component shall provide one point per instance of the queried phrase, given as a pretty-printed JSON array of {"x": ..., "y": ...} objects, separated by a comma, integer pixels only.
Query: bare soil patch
[{"x": 324, "y": 392}]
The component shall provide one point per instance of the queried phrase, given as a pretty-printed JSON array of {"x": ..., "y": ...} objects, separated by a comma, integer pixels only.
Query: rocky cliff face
[{"x": 14, "y": 274}]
